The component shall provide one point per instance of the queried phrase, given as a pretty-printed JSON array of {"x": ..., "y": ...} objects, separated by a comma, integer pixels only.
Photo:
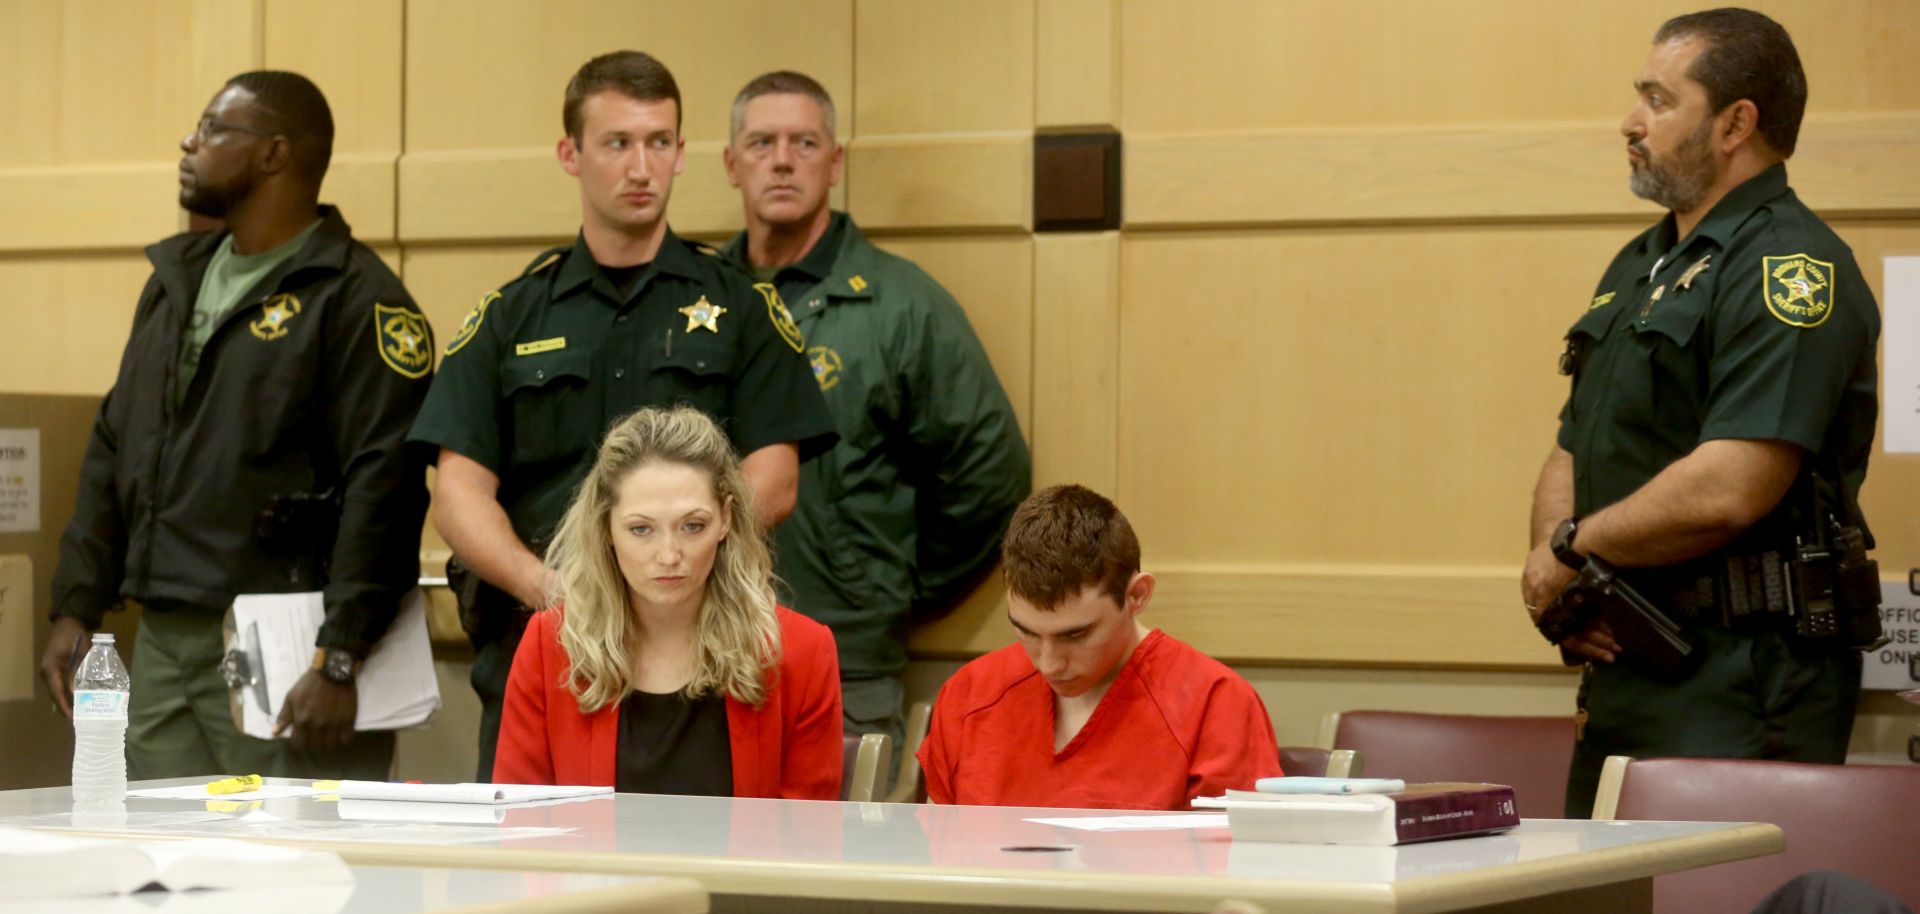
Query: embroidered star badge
[{"x": 703, "y": 314}]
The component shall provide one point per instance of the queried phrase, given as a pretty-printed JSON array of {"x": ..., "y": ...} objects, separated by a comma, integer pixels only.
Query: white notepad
[{"x": 489, "y": 794}]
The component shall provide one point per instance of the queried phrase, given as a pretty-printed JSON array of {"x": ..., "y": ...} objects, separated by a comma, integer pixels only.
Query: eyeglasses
[{"x": 208, "y": 127}]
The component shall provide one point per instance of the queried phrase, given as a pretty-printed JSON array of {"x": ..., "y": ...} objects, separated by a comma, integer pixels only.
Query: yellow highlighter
[{"x": 244, "y": 784}]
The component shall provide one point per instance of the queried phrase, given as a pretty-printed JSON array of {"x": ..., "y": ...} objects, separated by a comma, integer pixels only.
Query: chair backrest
[
  {"x": 1304, "y": 761},
  {"x": 907, "y": 784},
  {"x": 1858, "y": 819},
  {"x": 1314, "y": 762},
  {"x": 1529, "y": 754},
  {"x": 866, "y": 756}
]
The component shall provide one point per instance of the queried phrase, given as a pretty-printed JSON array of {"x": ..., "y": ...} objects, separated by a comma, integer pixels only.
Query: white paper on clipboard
[{"x": 396, "y": 685}]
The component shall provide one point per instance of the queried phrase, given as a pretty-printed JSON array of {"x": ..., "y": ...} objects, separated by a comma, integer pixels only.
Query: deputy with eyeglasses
[{"x": 253, "y": 442}]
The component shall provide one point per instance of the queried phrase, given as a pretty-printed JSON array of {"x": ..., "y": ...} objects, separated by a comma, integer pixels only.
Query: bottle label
[{"x": 99, "y": 704}]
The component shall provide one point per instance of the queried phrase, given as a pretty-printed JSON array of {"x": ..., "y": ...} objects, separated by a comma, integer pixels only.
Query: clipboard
[
  {"x": 241, "y": 667},
  {"x": 269, "y": 640}
]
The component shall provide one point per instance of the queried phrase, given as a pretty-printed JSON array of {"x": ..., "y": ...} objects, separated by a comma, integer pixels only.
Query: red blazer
[{"x": 790, "y": 747}]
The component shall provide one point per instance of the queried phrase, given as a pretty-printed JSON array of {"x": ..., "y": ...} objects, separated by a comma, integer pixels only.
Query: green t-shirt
[{"x": 229, "y": 278}]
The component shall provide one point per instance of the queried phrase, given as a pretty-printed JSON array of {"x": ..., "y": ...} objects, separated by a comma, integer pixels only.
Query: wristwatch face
[
  {"x": 339, "y": 666},
  {"x": 1562, "y": 543}
]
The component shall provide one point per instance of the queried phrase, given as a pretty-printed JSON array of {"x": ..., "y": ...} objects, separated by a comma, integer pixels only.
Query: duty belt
[{"x": 1737, "y": 591}]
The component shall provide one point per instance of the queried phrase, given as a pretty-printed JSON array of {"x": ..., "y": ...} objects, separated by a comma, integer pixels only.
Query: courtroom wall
[{"x": 1316, "y": 363}]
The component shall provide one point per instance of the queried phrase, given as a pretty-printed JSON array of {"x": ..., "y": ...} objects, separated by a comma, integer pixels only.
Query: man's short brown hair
[
  {"x": 1065, "y": 539},
  {"x": 634, "y": 74}
]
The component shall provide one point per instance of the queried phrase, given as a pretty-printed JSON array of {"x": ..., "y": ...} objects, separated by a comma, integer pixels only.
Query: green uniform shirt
[
  {"x": 1758, "y": 325},
  {"x": 909, "y": 508},
  {"x": 540, "y": 369},
  {"x": 228, "y": 279}
]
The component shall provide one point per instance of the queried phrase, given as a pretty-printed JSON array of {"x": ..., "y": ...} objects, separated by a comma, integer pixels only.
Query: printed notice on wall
[
  {"x": 1892, "y": 666},
  {"x": 19, "y": 480},
  {"x": 1900, "y": 340}
]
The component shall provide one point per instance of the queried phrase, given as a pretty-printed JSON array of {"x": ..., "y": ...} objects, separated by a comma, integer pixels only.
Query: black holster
[
  {"x": 301, "y": 527},
  {"x": 486, "y": 611},
  {"x": 1646, "y": 635}
]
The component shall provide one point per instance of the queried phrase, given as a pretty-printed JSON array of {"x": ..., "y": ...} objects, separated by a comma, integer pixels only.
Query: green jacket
[{"x": 909, "y": 508}]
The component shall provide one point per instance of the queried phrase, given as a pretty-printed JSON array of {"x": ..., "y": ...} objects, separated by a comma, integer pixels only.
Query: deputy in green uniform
[
  {"x": 254, "y": 442},
  {"x": 908, "y": 510},
  {"x": 627, "y": 316},
  {"x": 1723, "y": 370}
]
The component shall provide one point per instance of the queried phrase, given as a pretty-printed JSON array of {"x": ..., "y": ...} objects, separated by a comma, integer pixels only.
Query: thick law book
[
  {"x": 1422, "y": 812},
  {"x": 38, "y": 865}
]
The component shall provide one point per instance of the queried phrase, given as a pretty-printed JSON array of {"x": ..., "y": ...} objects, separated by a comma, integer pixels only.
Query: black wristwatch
[
  {"x": 334, "y": 663},
  {"x": 1562, "y": 544}
]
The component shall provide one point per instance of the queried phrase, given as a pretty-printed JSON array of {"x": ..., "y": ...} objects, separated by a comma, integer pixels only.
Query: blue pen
[{"x": 1329, "y": 785}]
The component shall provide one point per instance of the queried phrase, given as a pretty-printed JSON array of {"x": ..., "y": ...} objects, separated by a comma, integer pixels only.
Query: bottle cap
[{"x": 103, "y": 638}]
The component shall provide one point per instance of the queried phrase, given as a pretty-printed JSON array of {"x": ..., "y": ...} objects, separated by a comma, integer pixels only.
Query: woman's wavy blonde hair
[{"x": 736, "y": 638}]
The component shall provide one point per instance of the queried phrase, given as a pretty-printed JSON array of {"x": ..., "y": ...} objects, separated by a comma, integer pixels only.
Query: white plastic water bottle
[{"x": 101, "y": 692}]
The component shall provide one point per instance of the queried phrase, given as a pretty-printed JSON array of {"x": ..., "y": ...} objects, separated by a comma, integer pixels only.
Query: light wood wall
[{"x": 1316, "y": 366}]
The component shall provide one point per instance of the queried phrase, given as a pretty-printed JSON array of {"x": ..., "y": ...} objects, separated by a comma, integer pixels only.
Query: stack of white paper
[{"x": 396, "y": 685}]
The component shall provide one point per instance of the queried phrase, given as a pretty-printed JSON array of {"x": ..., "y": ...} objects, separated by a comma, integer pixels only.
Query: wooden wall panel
[
  {"x": 944, "y": 67},
  {"x": 1256, "y": 64},
  {"x": 1076, "y": 384},
  {"x": 67, "y": 319},
  {"x": 100, "y": 81},
  {"x": 1361, "y": 395},
  {"x": 1526, "y": 172},
  {"x": 492, "y": 74},
  {"x": 352, "y": 51},
  {"x": 480, "y": 139},
  {"x": 1077, "y": 63}
]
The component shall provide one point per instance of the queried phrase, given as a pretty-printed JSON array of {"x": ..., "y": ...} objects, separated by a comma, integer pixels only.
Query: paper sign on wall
[
  {"x": 19, "y": 480},
  {"x": 1900, "y": 334},
  {"x": 1890, "y": 667}
]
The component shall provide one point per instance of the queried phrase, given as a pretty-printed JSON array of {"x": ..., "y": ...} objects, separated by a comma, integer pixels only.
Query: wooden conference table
[{"x": 797, "y": 855}]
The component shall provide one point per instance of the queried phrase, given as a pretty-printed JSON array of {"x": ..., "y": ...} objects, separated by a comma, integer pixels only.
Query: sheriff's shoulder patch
[
  {"x": 406, "y": 342},
  {"x": 782, "y": 319},
  {"x": 1798, "y": 289},
  {"x": 471, "y": 324},
  {"x": 1601, "y": 301}
]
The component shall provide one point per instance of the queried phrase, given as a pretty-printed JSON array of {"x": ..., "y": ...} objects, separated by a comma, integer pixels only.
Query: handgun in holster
[
  {"x": 1646, "y": 635},
  {"x": 487, "y": 613},
  {"x": 301, "y": 527}
]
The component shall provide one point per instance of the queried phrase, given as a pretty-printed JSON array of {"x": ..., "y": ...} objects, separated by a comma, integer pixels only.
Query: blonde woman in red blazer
[{"x": 665, "y": 586}]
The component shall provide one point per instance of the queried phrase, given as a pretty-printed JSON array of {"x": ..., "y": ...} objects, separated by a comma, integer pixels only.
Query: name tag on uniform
[{"x": 546, "y": 345}]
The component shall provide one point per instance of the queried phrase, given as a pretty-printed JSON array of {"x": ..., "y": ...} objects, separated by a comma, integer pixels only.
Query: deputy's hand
[
  {"x": 56, "y": 661},
  {"x": 1595, "y": 642},
  {"x": 1542, "y": 580},
  {"x": 1541, "y": 583},
  {"x": 320, "y": 712}
]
